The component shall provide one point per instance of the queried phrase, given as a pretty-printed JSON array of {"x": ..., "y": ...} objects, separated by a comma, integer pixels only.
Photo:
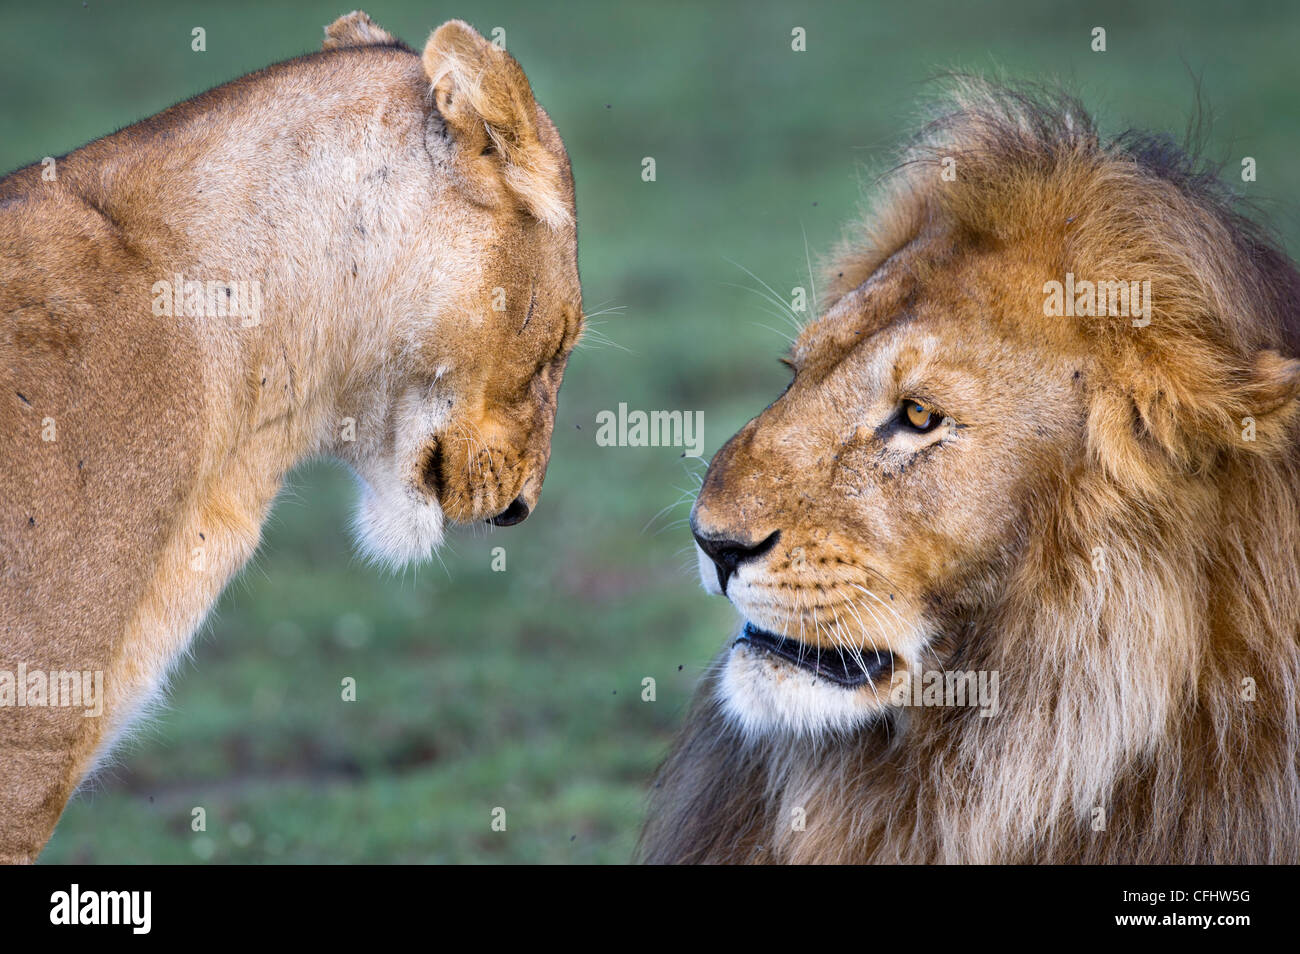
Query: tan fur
[
  {"x": 1123, "y": 693},
  {"x": 382, "y": 235}
]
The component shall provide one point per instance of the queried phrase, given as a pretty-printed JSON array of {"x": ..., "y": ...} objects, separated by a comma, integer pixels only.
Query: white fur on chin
[
  {"x": 394, "y": 525},
  {"x": 763, "y": 695}
]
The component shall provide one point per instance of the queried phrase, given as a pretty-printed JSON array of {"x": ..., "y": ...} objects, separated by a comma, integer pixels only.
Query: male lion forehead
[{"x": 859, "y": 314}]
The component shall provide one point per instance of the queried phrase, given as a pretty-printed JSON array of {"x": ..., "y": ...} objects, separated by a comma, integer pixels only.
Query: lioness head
[
  {"x": 952, "y": 425},
  {"x": 458, "y": 409}
]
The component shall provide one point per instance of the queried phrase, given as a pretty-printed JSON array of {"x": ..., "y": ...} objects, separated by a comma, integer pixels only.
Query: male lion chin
[
  {"x": 774, "y": 684},
  {"x": 766, "y": 696}
]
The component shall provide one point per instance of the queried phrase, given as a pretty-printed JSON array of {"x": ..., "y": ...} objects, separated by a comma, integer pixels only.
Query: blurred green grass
[{"x": 522, "y": 689}]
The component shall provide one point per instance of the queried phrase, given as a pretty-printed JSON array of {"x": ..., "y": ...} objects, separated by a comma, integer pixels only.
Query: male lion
[
  {"x": 1085, "y": 522},
  {"x": 367, "y": 252}
]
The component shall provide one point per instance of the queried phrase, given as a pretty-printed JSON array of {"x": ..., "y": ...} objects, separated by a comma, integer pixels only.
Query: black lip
[
  {"x": 834, "y": 665},
  {"x": 432, "y": 469}
]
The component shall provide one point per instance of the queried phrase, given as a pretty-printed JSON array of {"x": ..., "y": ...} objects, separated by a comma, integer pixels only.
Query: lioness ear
[
  {"x": 357, "y": 29},
  {"x": 488, "y": 107}
]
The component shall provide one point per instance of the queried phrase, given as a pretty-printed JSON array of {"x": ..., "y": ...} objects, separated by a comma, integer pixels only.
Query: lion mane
[{"x": 1148, "y": 713}]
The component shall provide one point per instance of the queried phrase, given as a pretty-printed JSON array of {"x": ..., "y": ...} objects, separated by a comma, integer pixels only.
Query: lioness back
[{"x": 99, "y": 440}]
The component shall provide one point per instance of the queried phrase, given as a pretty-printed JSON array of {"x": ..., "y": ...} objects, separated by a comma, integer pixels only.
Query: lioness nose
[
  {"x": 727, "y": 554},
  {"x": 517, "y": 512}
]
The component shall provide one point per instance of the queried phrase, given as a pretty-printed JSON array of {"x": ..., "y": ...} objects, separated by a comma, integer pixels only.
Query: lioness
[
  {"x": 367, "y": 252},
  {"x": 1019, "y": 561}
]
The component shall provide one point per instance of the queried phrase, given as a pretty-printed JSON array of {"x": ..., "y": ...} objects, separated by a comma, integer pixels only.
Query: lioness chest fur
[{"x": 367, "y": 253}]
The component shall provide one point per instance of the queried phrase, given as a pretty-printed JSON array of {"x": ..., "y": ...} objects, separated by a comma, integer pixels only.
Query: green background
[{"x": 522, "y": 689}]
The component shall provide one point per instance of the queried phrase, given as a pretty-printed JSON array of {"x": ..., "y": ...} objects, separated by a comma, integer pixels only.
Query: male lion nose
[
  {"x": 728, "y": 554},
  {"x": 517, "y": 512}
]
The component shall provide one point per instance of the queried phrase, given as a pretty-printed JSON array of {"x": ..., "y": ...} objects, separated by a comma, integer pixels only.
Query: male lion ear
[
  {"x": 488, "y": 107},
  {"x": 1193, "y": 409},
  {"x": 1275, "y": 381},
  {"x": 356, "y": 29},
  {"x": 1259, "y": 405},
  {"x": 1269, "y": 393}
]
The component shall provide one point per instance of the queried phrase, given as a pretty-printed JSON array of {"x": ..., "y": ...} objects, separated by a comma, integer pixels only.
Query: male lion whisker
[
  {"x": 901, "y": 622},
  {"x": 812, "y": 279},
  {"x": 827, "y": 631},
  {"x": 880, "y": 624},
  {"x": 687, "y": 495},
  {"x": 862, "y": 626},
  {"x": 895, "y": 639},
  {"x": 851, "y": 605},
  {"x": 818, "y": 629},
  {"x": 774, "y": 297},
  {"x": 687, "y": 568},
  {"x": 852, "y": 608},
  {"x": 695, "y": 468},
  {"x": 856, "y": 653},
  {"x": 845, "y": 642},
  {"x": 659, "y": 513},
  {"x": 780, "y": 334},
  {"x": 784, "y": 314},
  {"x": 780, "y": 315},
  {"x": 799, "y": 603},
  {"x": 925, "y": 646},
  {"x": 790, "y": 612},
  {"x": 859, "y": 656},
  {"x": 884, "y": 632}
]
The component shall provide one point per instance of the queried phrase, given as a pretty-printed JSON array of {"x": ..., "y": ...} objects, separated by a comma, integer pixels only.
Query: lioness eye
[{"x": 920, "y": 417}]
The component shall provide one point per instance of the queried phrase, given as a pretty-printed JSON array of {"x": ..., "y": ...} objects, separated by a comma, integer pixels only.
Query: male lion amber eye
[{"x": 920, "y": 417}]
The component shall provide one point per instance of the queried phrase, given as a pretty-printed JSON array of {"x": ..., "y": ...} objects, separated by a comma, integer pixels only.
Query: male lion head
[
  {"x": 1044, "y": 432},
  {"x": 454, "y": 390}
]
